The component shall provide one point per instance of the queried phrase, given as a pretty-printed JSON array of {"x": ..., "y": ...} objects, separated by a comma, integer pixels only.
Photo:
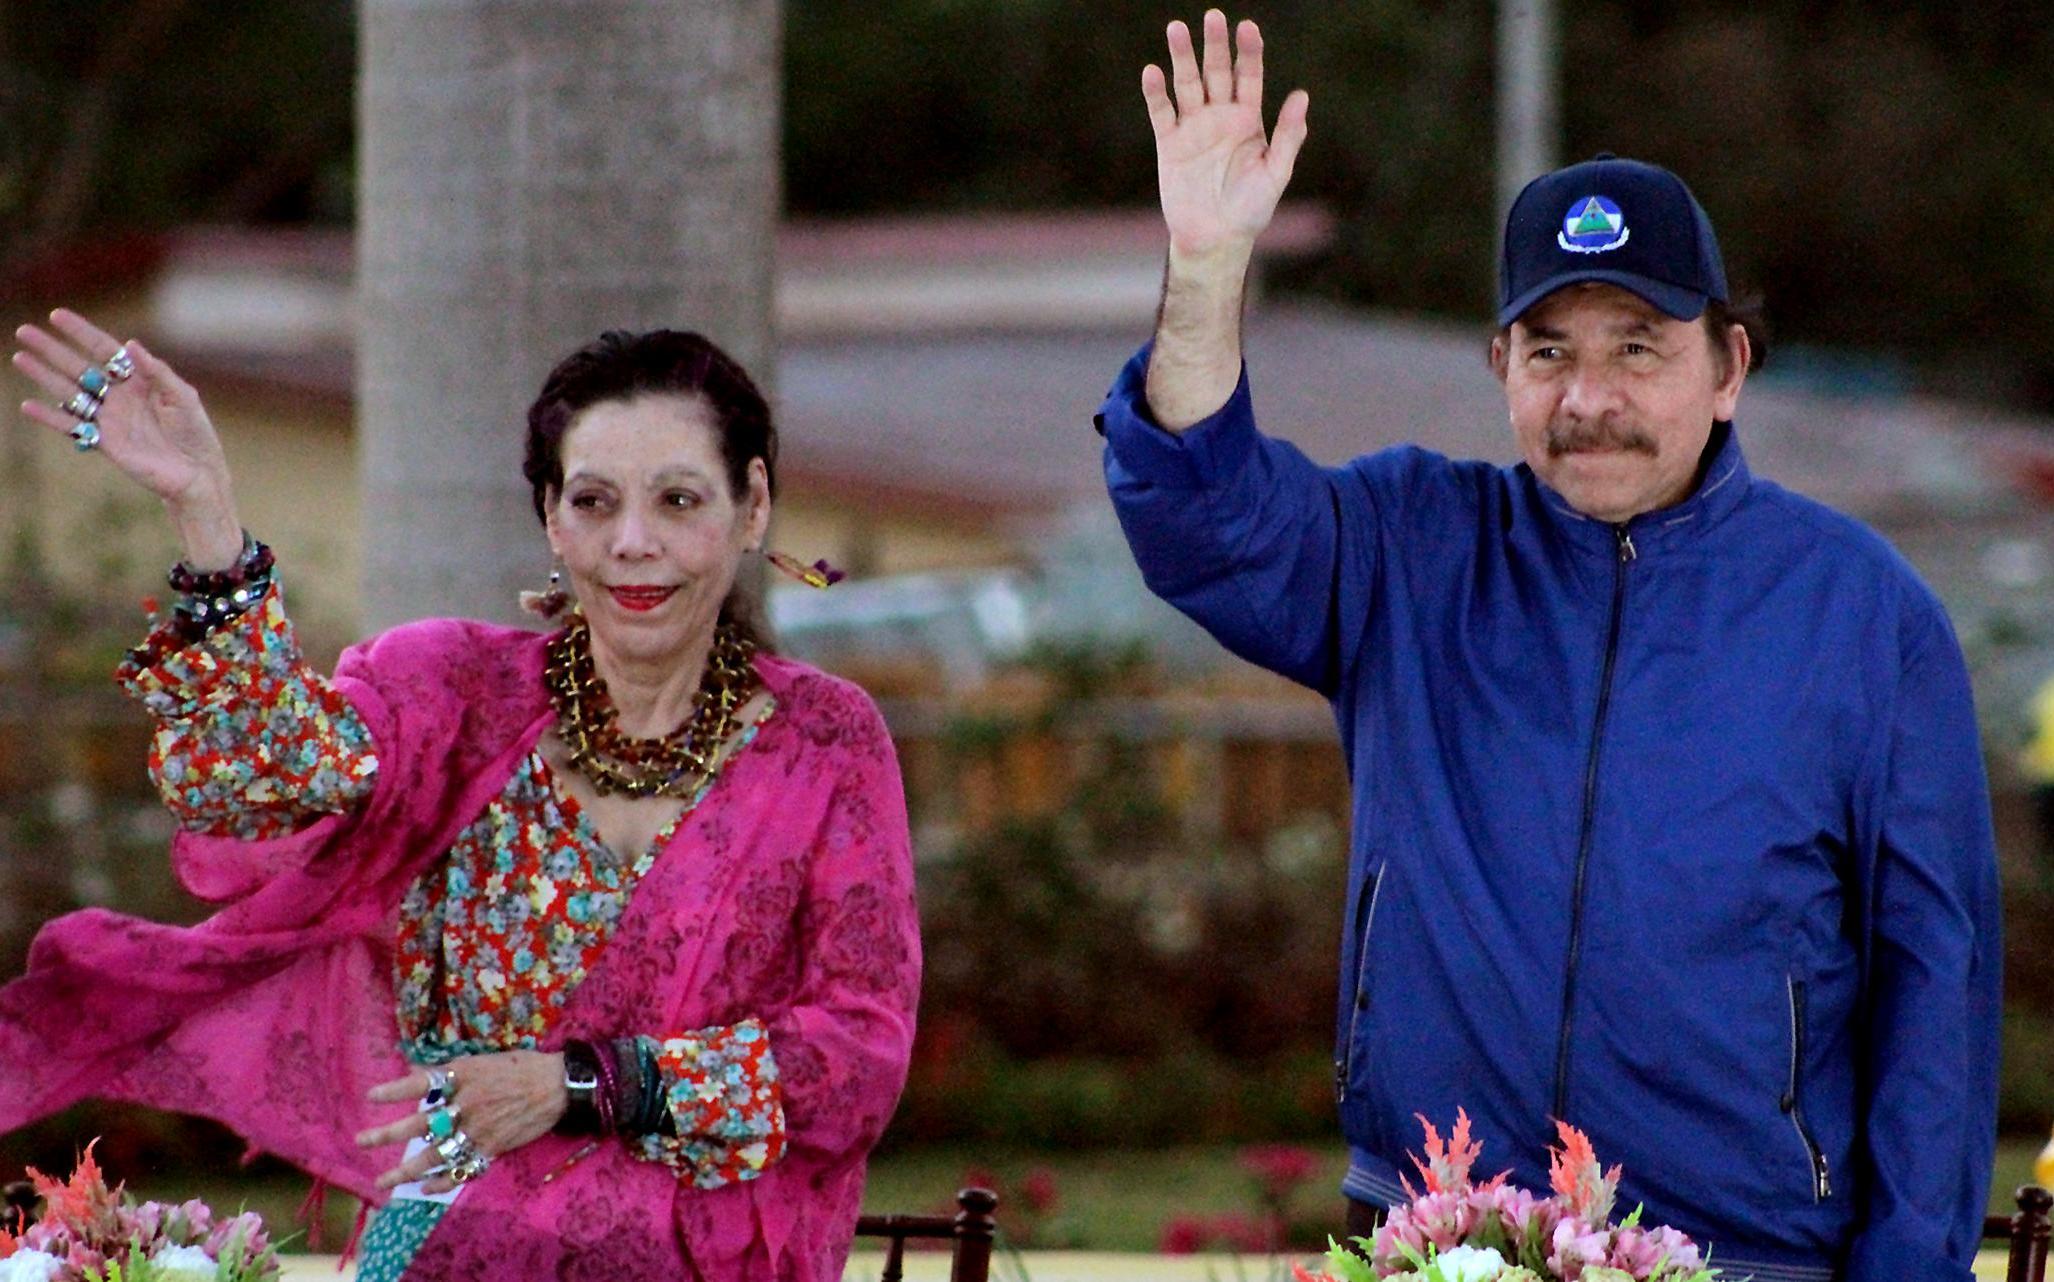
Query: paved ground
[{"x": 1040, "y": 1266}]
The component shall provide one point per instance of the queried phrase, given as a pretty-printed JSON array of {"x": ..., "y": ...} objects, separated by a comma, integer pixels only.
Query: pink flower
[
  {"x": 1401, "y": 1233},
  {"x": 1577, "y": 1246},
  {"x": 1671, "y": 1249}
]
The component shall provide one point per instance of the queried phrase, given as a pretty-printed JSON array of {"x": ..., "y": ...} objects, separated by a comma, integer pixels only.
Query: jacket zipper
[
  {"x": 1360, "y": 1000},
  {"x": 1627, "y": 555},
  {"x": 1822, "y": 1178}
]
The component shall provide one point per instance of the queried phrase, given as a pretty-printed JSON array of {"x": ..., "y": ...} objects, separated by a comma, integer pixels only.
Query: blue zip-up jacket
[{"x": 1676, "y": 831}]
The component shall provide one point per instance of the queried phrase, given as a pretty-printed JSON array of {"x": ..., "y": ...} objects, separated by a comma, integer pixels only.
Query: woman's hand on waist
[{"x": 500, "y": 1101}]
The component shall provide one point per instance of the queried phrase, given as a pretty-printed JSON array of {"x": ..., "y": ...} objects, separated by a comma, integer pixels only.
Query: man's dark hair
[{"x": 1744, "y": 310}]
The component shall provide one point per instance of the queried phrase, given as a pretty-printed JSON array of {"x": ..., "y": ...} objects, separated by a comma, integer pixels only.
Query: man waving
[{"x": 1670, "y": 819}]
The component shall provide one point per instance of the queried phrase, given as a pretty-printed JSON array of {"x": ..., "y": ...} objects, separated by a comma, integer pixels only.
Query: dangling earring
[
  {"x": 817, "y": 575},
  {"x": 551, "y": 602}
]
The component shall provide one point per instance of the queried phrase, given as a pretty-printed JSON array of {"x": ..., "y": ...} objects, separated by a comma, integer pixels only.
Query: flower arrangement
[
  {"x": 1460, "y": 1231},
  {"x": 89, "y": 1232}
]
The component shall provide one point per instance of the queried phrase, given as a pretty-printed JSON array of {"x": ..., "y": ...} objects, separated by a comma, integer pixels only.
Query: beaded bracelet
[
  {"x": 609, "y": 1085},
  {"x": 206, "y": 601}
]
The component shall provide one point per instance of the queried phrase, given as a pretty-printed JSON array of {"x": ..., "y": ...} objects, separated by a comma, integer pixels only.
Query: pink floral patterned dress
[{"x": 492, "y": 942}]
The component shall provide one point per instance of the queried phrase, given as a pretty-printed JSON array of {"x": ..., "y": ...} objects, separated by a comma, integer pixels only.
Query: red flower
[
  {"x": 1184, "y": 1235},
  {"x": 1038, "y": 1190},
  {"x": 1280, "y": 1168}
]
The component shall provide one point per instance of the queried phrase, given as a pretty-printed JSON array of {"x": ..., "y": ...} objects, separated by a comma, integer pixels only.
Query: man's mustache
[{"x": 1581, "y": 438}]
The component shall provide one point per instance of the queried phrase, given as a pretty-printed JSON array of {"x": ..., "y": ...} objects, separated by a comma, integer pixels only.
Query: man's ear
[
  {"x": 1739, "y": 354},
  {"x": 1501, "y": 354}
]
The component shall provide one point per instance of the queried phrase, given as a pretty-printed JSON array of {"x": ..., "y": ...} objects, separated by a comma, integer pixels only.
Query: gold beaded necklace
[{"x": 678, "y": 764}]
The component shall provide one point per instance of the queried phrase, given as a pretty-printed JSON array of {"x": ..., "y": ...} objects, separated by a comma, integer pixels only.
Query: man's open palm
[{"x": 1221, "y": 174}]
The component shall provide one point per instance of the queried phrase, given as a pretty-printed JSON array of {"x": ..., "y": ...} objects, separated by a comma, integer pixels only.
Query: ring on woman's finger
[
  {"x": 441, "y": 1086},
  {"x": 467, "y": 1168},
  {"x": 454, "y": 1146},
  {"x": 83, "y": 406},
  {"x": 442, "y": 1121},
  {"x": 93, "y": 381},
  {"x": 121, "y": 365},
  {"x": 85, "y": 436}
]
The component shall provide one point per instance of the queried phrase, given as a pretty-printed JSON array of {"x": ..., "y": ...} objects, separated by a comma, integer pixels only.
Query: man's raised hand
[{"x": 1221, "y": 174}]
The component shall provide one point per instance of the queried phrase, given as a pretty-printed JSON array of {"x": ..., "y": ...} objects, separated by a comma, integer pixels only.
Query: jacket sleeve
[
  {"x": 1934, "y": 992},
  {"x": 1239, "y": 531}
]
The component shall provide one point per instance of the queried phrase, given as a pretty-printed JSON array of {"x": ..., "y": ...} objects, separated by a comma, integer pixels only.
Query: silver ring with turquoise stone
[
  {"x": 442, "y": 1121},
  {"x": 93, "y": 382},
  {"x": 85, "y": 437}
]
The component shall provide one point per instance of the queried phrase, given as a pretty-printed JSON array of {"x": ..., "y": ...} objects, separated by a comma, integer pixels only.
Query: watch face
[{"x": 580, "y": 1077}]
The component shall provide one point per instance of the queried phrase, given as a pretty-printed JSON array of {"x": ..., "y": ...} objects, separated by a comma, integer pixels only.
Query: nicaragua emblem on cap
[{"x": 1592, "y": 226}]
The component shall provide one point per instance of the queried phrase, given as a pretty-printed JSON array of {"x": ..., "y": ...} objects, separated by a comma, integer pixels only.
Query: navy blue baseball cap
[{"x": 1622, "y": 222}]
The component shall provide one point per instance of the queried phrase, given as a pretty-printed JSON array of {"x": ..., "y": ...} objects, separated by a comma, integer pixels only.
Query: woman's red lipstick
[{"x": 639, "y": 597}]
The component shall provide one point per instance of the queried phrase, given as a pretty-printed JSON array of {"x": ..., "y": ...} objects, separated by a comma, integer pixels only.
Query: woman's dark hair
[{"x": 621, "y": 365}]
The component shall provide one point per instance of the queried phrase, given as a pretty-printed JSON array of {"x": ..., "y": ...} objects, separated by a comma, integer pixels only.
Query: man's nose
[{"x": 1590, "y": 392}]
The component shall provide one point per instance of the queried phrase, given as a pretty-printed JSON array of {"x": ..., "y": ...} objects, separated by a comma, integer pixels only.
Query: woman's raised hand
[
  {"x": 1221, "y": 174},
  {"x": 152, "y": 427}
]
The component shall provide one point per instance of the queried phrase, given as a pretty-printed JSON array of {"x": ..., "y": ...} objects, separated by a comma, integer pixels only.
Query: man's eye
[
  {"x": 1638, "y": 349},
  {"x": 584, "y": 502},
  {"x": 681, "y": 498},
  {"x": 1545, "y": 354}
]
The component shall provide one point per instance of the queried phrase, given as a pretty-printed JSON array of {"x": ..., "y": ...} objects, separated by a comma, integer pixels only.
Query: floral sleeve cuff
[
  {"x": 725, "y": 1106},
  {"x": 250, "y": 741}
]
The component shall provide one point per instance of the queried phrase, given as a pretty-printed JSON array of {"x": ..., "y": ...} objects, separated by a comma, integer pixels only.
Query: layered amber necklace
[{"x": 678, "y": 764}]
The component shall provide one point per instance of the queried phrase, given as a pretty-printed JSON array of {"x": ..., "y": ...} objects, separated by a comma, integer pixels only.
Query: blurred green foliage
[{"x": 121, "y": 116}]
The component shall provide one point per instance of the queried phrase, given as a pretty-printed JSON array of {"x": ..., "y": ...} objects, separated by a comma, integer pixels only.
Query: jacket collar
[{"x": 1726, "y": 481}]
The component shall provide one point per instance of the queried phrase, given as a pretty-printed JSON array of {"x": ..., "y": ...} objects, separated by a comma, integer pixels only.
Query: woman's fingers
[
  {"x": 413, "y": 1085},
  {"x": 160, "y": 375},
  {"x": 413, "y": 1168},
  {"x": 54, "y": 351},
  {"x": 404, "y": 1129},
  {"x": 44, "y": 375},
  {"x": 49, "y": 416},
  {"x": 97, "y": 343}
]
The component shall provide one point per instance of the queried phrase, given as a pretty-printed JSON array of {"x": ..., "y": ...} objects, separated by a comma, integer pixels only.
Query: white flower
[
  {"x": 1469, "y": 1264},
  {"x": 184, "y": 1264},
  {"x": 27, "y": 1265}
]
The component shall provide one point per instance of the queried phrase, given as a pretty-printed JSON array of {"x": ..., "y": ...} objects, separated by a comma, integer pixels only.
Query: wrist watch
[{"x": 581, "y": 1084}]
